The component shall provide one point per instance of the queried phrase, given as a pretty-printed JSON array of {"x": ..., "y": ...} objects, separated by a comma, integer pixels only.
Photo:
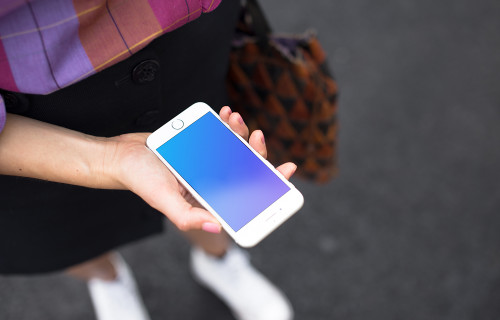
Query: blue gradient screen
[{"x": 224, "y": 172}]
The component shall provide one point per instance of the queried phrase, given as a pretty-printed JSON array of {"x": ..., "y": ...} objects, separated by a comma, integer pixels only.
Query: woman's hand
[
  {"x": 136, "y": 168},
  {"x": 35, "y": 149}
]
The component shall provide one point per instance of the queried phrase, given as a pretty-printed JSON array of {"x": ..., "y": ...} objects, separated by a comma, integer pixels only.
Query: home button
[{"x": 177, "y": 124}]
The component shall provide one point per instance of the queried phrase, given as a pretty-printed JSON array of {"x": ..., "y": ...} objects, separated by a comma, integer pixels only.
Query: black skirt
[{"x": 47, "y": 226}]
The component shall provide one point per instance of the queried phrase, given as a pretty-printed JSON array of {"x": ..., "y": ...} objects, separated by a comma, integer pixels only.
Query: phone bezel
[{"x": 266, "y": 221}]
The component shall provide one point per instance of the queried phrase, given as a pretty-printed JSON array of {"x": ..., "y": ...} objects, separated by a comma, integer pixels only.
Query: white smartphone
[{"x": 246, "y": 194}]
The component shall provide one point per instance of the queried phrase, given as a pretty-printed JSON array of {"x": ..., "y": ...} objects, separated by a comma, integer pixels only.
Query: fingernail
[
  {"x": 240, "y": 120},
  {"x": 230, "y": 111},
  {"x": 211, "y": 227},
  {"x": 262, "y": 139}
]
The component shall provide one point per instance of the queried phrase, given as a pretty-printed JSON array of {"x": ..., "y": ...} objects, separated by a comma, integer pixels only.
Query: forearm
[{"x": 40, "y": 150}]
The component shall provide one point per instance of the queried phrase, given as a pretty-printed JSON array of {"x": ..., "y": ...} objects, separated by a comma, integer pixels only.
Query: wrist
[
  {"x": 36, "y": 149},
  {"x": 119, "y": 157},
  {"x": 102, "y": 163}
]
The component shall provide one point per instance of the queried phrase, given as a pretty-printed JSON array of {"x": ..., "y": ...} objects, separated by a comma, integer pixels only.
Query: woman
[{"x": 81, "y": 82}]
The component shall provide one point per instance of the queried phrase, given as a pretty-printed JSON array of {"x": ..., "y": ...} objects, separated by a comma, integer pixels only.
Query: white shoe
[
  {"x": 118, "y": 299},
  {"x": 235, "y": 281}
]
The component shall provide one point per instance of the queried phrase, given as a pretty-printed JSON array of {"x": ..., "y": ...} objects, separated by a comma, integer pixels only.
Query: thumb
[{"x": 185, "y": 216}]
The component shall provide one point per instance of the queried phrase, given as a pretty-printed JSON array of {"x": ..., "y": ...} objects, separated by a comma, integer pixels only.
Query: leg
[
  {"x": 226, "y": 270},
  {"x": 212, "y": 243},
  {"x": 112, "y": 288},
  {"x": 101, "y": 268}
]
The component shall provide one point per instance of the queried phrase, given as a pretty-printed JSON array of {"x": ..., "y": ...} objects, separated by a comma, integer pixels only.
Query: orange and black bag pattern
[{"x": 283, "y": 86}]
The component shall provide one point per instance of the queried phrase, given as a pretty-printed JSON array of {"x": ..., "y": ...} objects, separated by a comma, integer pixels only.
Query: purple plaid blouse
[{"x": 46, "y": 45}]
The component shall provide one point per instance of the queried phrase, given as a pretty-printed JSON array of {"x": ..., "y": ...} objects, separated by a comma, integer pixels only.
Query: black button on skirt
[{"x": 47, "y": 226}]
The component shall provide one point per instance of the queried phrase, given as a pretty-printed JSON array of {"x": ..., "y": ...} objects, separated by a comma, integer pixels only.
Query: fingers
[
  {"x": 238, "y": 125},
  {"x": 185, "y": 216},
  {"x": 258, "y": 142},
  {"x": 287, "y": 169},
  {"x": 224, "y": 113},
  {"x": 235, "y": 121}
]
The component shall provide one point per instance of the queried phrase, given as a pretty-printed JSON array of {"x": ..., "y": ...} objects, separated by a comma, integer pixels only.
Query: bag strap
[
  {"x": 259, "y": 22},
  {"x": 259, "y": 19}
]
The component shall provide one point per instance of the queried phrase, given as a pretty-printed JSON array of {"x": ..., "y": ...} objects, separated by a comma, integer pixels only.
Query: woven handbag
[{"x": 282, "y": 85}]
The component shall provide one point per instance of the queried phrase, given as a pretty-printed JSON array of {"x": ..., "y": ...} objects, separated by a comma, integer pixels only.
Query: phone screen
[{"x": 224, "y": 172}]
